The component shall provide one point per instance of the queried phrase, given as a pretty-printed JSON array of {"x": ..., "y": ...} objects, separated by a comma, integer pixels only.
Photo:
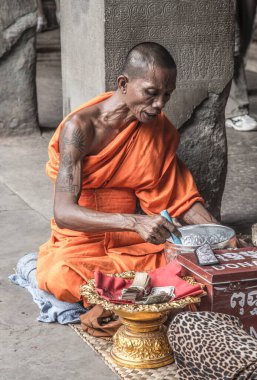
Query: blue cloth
[{"x": 51, "y": 309}]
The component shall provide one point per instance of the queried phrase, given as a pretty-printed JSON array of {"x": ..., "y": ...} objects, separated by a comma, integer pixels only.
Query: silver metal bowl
[{"x": 196, "y": 235}]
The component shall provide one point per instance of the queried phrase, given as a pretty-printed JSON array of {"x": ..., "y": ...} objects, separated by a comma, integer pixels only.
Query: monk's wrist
[{"x": 129, "y": 222}]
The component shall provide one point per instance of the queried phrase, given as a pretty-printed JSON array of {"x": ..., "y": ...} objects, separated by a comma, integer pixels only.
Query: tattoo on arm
[
  {"x": 76, "y": 139},
  {"x": 66, "y": 181},
  {"x": 72, "y": 149}
]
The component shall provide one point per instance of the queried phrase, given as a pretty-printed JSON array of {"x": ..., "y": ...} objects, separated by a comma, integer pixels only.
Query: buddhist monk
[{"x": 112, "y": 153}]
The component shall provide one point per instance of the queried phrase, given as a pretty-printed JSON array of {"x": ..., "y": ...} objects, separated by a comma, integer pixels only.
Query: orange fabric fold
[{"x": 140, "y": 163}]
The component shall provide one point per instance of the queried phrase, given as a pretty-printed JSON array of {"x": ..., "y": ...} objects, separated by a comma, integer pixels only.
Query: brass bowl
[{"x": 218, "y": 236}]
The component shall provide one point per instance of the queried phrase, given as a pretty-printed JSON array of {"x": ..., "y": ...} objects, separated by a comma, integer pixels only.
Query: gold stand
[{"x": 142, "y": 341}]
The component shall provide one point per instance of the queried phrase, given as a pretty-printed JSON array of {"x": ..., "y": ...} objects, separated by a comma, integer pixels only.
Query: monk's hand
[
  {"x": 154, "y": 229},
  {"x": 198, "y": 214}
]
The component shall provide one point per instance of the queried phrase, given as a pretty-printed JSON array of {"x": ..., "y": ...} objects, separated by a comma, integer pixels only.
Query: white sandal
[{"x": 242, "y": 123}]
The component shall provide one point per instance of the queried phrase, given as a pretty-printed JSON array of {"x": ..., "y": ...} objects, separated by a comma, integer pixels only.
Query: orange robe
[{"x": 140, "y": 163}]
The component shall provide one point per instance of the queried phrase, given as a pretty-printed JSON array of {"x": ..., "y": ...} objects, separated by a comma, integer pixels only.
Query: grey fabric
[
  {"x": 51, "y": 309},
  {"x": 238, "y": 101}
]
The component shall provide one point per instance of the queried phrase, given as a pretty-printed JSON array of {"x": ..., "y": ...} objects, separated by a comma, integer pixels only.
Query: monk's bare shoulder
[{"x": 78, "y": 134}]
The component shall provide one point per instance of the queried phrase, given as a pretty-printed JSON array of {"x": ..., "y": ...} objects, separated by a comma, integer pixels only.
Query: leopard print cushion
[{"x": 210, "y": 345}]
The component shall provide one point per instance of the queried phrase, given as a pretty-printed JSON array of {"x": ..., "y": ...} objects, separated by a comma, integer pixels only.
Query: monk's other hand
[
  {"x": 154, "y": 229},
  {"x": 198, "y": 214}
]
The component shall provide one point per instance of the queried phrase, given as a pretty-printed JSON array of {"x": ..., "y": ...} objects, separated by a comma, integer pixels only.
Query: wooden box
[{"x": 231, "y": 285}]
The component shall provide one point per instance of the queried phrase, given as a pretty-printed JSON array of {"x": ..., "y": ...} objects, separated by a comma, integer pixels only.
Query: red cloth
[
  {"x": 110, "y": 287},
  {"x": 169, "y": 275}
]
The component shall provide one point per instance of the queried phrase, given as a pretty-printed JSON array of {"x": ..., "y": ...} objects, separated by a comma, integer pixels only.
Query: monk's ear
[{"x": 122, "y": 83}]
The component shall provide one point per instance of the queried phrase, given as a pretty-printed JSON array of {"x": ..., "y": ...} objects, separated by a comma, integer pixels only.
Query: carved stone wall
[
  {"x": 200, "y": 36},
  {"x": 18, "y": 103}
]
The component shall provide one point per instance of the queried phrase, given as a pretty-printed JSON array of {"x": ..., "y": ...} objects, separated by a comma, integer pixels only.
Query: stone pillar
[
  {"x": 83, "y": 52},
  {"x": 18, "y": 103},
  {"x": 200, "y": 36}
]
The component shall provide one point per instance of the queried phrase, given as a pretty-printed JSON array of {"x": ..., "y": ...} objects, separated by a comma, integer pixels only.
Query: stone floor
[{"x": 32, "y": 350}]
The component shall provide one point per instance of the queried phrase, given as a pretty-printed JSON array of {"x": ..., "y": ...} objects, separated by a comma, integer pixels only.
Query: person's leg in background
[
  {"x": 41, "y": 19},
  {"x": 58, "y": 12},
  {"x": 237, "y": 108}
]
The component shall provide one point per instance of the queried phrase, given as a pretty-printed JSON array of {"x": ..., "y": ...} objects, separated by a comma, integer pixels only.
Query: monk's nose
[{"x": 159, "y": 103}]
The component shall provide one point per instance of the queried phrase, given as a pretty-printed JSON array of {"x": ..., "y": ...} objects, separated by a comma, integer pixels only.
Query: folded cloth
[
  {"x": 209, "y": 345},
  {"x": 100, "y": 322},
  {"x": 169, "y": 275},
  {"x": 51, "y": 309},
  {"x": 110, "y": 287}
]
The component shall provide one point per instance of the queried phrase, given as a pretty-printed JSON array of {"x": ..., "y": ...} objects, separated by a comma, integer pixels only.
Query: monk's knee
[{"x": 61, "y": 281}]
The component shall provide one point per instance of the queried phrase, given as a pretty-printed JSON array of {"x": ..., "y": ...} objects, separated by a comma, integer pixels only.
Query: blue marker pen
[{"x": 165, "y": 214}]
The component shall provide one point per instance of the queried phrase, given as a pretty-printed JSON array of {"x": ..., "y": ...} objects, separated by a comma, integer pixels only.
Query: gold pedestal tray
[{"x": 141, "y": 341}]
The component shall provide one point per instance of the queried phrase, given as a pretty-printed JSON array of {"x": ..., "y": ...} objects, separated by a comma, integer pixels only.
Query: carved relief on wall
[{"x": 197, "y": 34}]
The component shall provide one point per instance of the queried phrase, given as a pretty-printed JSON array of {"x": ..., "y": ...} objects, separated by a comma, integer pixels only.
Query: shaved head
[
  {"x": 146, "y": 55},
  {"x": 147, "y": 80}
]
